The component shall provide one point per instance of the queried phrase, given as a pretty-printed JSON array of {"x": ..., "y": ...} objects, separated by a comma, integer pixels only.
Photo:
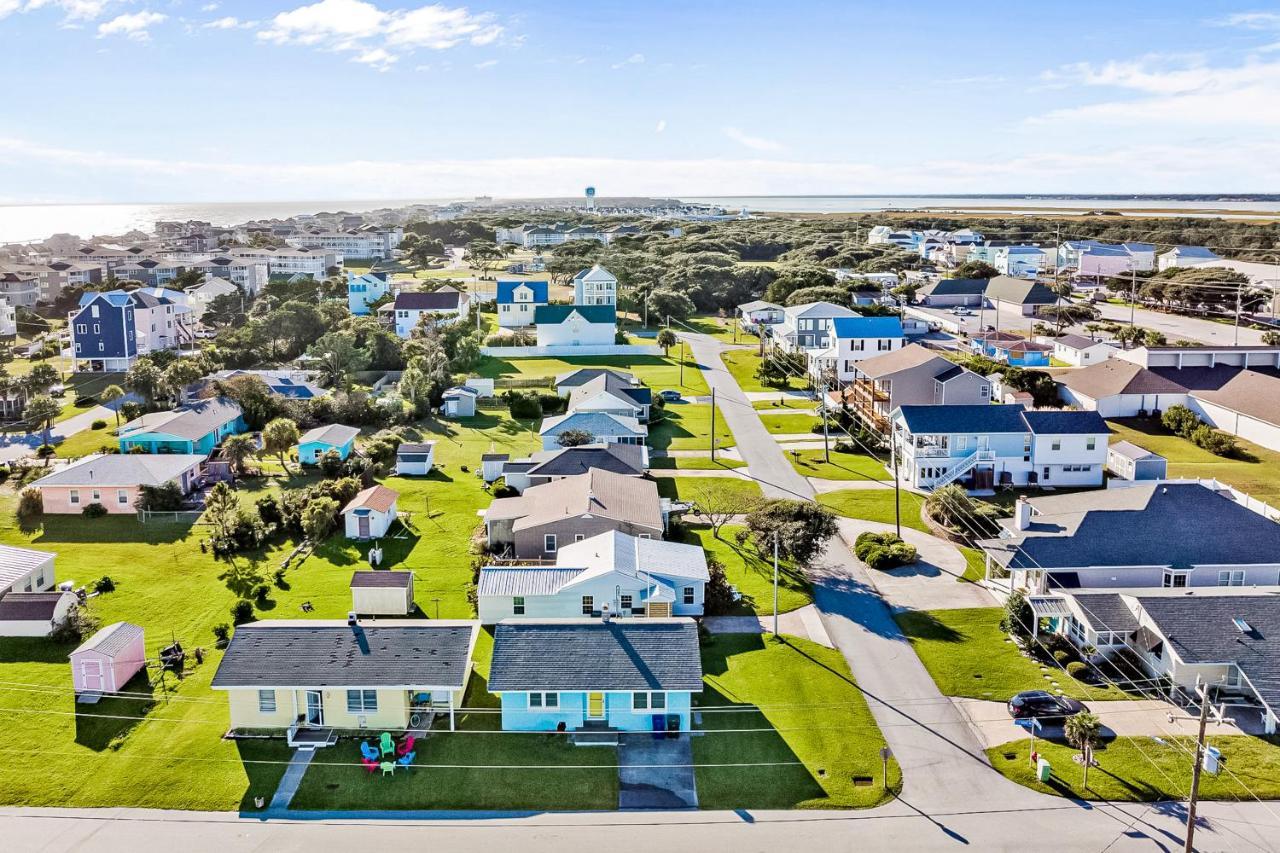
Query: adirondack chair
[
  {"x": 369, "y": 752},
  {"x": 406, "y": 759},
  {"x": 370, "y": 766},
  {"x": 388, "y": 768},
  {"x": 406, "y": 747},
  {"x": 388, "y": 744}
]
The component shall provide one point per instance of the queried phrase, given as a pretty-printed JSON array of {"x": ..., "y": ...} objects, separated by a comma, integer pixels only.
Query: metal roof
[
  {"x": 111, "y": 639},
  {"x": 16, "y": 563}
]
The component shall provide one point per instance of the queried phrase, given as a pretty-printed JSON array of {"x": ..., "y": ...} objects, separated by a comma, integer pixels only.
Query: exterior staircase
[{"x": 964, "y": 465}]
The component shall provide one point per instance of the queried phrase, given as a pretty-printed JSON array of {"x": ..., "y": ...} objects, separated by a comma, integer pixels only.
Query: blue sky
[{"x": 192, "y": 100}]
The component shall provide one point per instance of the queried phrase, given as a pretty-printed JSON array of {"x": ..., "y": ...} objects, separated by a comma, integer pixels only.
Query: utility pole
[
  {"x": 1133, "y": 293},
  {"x": 775, "y": 586},
  {"x": 681, "y": 358},
  {"x": 1202, "y": 691},
  {"x": 713, "y": 425},
  {"x": 1237, "y": 338},
  {"x": 897, "y": 484},
  {"x": 826, "y": 444}
]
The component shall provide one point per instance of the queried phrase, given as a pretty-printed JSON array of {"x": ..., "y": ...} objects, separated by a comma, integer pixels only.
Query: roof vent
[{"x": 1241, "y": 625}]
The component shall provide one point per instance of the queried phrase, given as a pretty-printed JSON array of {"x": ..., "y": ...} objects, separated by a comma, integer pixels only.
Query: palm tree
[
  {"x": 109, "y": 395},
  {"x": 237, "y": 449},
  {"x": 278, "y": 437},
  {"x": 666, "y": 339},
  {"x": 41, "y": 411},
  {"x": 1082, "y": 731}
]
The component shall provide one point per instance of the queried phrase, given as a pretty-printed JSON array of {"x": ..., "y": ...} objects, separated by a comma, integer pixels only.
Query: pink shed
[{"x": 106, "y": 661}]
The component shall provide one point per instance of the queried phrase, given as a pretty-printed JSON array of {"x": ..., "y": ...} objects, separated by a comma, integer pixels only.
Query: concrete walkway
[
  {"x": 932, "y": 583},
  {"x": 1121, "y": 718},
  {"x": 741, "y": 473},
  {"x": 291, "y": 779},
  {"x": 765, "y": 396},
  {"x": 656, "y": 774},
  {"x": 803, "y": 622}
]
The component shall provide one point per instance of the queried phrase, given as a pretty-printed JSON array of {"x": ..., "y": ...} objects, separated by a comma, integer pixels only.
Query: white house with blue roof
[
  {"x": 985, "y": 446},
  {"x": 518, "y": 300},
  {"x": 631, "y": 675},
  {"x": 1186, "y": 256},
  {"x": 852, "y": 340},
  {"x": 603, "y": 427},
  {"x": 614, "y": 573},
  {"x": 1020, "y": 261},
  {"x": 364, "y": 290}
]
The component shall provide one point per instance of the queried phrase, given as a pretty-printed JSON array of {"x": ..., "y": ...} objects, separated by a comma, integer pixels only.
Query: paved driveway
[
  {"x": 656, "y": 774},
  {"x": 803, "y": 622},
  {"x": 933, "y": 583}
]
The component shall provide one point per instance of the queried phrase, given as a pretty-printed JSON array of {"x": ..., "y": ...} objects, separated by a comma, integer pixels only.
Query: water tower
[{"x": 591, "y": 197}]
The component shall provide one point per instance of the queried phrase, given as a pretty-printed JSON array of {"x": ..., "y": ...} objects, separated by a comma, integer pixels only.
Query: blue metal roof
[
  {"x": 118, "y": 298},
  {"x": 867, "y": 327},
  {"x": 1195, "y": 252},
  {"x": 506, "y": 290}
]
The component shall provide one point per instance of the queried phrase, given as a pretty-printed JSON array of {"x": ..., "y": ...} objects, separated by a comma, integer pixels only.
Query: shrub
[
  {"x": 1018, "y": 616},
  {"x": 85, "y": 402},
  {"x": 268, "y": 509},
  {"x": 104, "y": 584},
  {"x": 242, "y": 612},
  {"x": 523, "y": 405},
  {"x": 505, "y": 491},
  {"x": 221, "y": 635},
  {"x": 30, "y": 503},
  {"x": 1077, "y": 669},
  {"x": 1062, "y": 657},
  {"x": 94, "y": 510},
  {"x": 883, "y": 551},
  {"x": 1216, "y": 442},
  {"x": 260, "y": 592},
  {"x": 278, "y": 577},
  {"x": 79, "y": 626},
  {"x": 98, "y": 424},
  {"x": 1180, "y": 419},
  {"x": 163, "y": 498},
  {"x": 331, "y": 463}
]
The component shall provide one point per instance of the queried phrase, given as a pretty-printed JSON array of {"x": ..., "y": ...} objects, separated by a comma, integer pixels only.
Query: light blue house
[
  {"x": 1020, "y": 261},
  {"x": 319, "y": 441},
  {"x": 603, "y": 428},
  {"x": 1022, "y": 353},
  {"x": 194, "y": 428},
  {"x": 364, "y": 290},
  {"x": 632, "y": 675}
]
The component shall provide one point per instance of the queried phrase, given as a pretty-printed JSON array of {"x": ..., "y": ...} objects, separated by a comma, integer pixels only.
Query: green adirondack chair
[{"x": 388, "y": 744}]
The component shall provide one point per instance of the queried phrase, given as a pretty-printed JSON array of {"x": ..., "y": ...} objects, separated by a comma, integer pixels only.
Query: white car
[{"x": 962, "y": 312}]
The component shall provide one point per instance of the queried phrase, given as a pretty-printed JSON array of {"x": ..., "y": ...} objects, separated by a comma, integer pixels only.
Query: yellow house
[{"x": 314, "y": 680}]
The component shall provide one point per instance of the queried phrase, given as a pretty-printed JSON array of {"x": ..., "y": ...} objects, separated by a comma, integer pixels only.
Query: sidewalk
[{"x": 804, "y": 622}]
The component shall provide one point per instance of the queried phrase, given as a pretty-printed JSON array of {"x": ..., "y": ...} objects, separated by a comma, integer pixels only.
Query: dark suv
[{"x": 1043, "y": 706}]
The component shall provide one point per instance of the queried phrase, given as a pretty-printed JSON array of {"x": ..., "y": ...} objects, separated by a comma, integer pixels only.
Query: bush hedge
[{"x": 883, "y": 550}]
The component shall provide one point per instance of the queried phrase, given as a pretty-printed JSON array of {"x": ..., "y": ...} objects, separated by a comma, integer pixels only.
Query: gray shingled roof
[
  {"x": 1107, "y": 612},
  {"x": 29, "y": 606},
  {"x": 122, "y": 469},
  {"x": 334, "y": 435},
  {"x": 16, "y": 563},
  {"x": 618, "y": 458},
  {"x": 193, "y": 421},
  {"x": 381, "y": 580},
  {"x": 328, "y": 654},
  {"x": 110, "y": 639},
  {"x": 588, "y": 654}
]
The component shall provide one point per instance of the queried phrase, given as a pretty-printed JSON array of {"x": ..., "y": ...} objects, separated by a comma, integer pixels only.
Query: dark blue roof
[
  {"x": 506, "y": 290},
  {"x": 868, "y": 327},
  {"x": 979, "y": 418},
  {"x": 1066, "y": 423}
]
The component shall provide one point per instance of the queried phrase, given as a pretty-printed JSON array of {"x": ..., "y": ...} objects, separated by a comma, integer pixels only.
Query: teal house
[
  {"x": 629, "y": 675},
  {"x": 319, "y": 441},
  {"x": 197, "y": 427}
]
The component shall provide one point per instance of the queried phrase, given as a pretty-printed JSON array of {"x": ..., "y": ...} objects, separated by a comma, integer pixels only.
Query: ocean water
[{"x": 19, "y": 223}]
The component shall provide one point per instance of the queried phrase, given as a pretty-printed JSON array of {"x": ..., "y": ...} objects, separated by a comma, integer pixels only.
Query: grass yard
[
  {"x": 693, "y": 489},
  {"x": 843, "y": 466},
  {"x": 477, "y": 767},
  {"x": 742, "y": 364},
  {"x": 1255, "y": 470},
  {"x": 782, "y": 422},
  {"x": 876, "y": 505},
  {"x": 975, "y": 566},
  {"x": 751, "y": 573},
  {"x": 656, "y": 371},
  {"x": 720, "y": 328},
  {"x": 694, "y": 463},
  {"x": 1143, "y": 769},
  {"x": 818, "y": 734},
  {"x": 968, "y": 655},
  {"x": 687, "y": 426}
]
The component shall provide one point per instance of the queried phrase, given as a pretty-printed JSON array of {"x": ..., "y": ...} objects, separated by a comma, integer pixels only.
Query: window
[
  {"x": 549, "y": 543},
  {"x": 1110, "y": 638},
  {"x": 362, "y": 701},
  {"x": 645, "y": 536},
  {"x": 97, "y": 496},
  {"x": 688, "y": 595},
  {"x": 624, "y": 602},
  {"x": 122, "y": 496},
  {"x": 81, "y": 328},
  {"x": 588, "y": 605},
  {"x": 578, "y": 537},
  {"x": 984, "y": 391},
  {"x": 1232, "y": 577},
  {"x": 1175, "y": 579},
  {"x": 1091, "y": 442},
  {"x": 1057, "y": 444},
  {"x": 267, "y": 701},
  {"x": 74, "y": 495},
  {"x": 648, "y": 701},
  {"x": 544, "y": 700},
  {"x": 517, "y": 605}
]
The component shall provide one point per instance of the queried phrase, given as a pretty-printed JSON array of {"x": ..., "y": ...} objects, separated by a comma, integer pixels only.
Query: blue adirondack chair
[
  {"x": 368, "y": 751},
  {"x": 406, "y": 759}
]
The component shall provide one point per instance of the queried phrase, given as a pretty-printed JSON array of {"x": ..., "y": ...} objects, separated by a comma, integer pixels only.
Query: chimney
[{"x": 1021, "y": 514}]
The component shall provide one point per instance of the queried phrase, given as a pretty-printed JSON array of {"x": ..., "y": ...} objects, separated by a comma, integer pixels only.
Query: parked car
[
  {"x": 962, "y": 312},
  {"x": 669, "y": 395},
  {"x": 1041, "y": 705}
]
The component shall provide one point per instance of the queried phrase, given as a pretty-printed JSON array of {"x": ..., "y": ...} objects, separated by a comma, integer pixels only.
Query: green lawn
[
  {"x": 694, "y": 463},
  {"x": 975, "y": 564},
  {"x": 968, "y": 655},
  {"x": 876, "y": 505},
  {"x": 738, "y": 489},
  {"x": 751, "y": 573},
  {"x": 89, "y": 441},
  {"x": 654, "y": 370},
  {"x": 687, "y": 426},
  {"x": 818, "y": 734},
  {"x": 170, "y": 587},
  {"x": 843, "y": 466},
  {"x": 720, "y": 328},
  {"x": 1144, "y": 769},
  {"x": 742, "y": 364},
  {"x": 791, "y": 423},
  {"x": 1255, "y": 470}
]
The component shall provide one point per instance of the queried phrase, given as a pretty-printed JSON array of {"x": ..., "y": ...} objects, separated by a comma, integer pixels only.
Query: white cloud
[
  {"x": 208, "y": 7},
  {"x": 133, "y": 26},
  {"x": 376, "y": 58},
  {"x": 1162, "y": 90},
  {"x": 633, "y": 59},
  {"x": 662, "y": 126},
  {"x": 356, "y": 25},
  {"x": 227, "y": 23},
  {"x": 1251, "y": 20},
  {"x": 755, "y": 143},
  {"x": 74, "y": 10},
  {"x": 488, "y": 63}
]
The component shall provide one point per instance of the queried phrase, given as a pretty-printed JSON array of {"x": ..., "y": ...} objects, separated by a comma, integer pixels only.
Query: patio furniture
[
  {"x": 406, "y": 759},
  {"x": 388, "y": 744},
  {"x": 388, "y": 768},
  {"x": 371, "y": 766},
  {"x": 369, "y": 751},
  {"x": 407, "y": 746}
]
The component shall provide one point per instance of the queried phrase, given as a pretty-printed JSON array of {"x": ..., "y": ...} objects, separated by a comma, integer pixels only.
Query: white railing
[{"x": 955, "y": 471}]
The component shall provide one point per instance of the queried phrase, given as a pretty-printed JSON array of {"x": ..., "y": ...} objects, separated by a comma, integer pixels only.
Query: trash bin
[
  {"x": 673, "y": 725},
  {"x": 659, "y": 723},
  {"x": 1043, "y": 770},
  {"x": 1212, "y": 760}
]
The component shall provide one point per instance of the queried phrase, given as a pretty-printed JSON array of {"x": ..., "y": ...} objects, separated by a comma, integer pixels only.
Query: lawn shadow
[
  {"x": 922, "y": 625},
  {"x": 34, "y": 650},
  {"x": 113, "y": 528},
  {"x": 105, "y": 724},
  {"x": 264, "y": 763}
]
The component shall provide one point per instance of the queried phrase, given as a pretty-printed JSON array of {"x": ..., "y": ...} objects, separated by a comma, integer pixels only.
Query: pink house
[
  {"x": 115, "y": 480},
  {"x": 106, "y": 661}
]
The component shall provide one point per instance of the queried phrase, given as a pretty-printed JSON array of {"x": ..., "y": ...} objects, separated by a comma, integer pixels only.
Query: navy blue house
[{"x": 102, "y": 332}]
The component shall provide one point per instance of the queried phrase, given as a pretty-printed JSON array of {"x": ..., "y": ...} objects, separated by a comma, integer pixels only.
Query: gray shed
[{"x": 1128, "y": 461}]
